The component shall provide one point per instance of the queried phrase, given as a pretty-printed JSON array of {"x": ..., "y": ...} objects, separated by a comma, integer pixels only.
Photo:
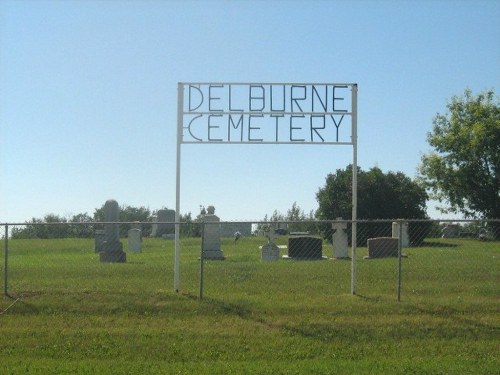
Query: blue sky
[{"x": 88, "y": 95}]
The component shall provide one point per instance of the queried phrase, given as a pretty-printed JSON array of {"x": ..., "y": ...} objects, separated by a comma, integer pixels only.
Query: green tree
[
  {"x": 51, "y": 226},
  {"x": 295, "y": 213},
  {"x": 189, "y": 228},
  {"x": 380, "y": 196},
  {"x": 128, "y": 214},
  {"x": 463, "y": 171},
  {"x": 81, "y": 226},
  {"x": 303, "y": 222}
]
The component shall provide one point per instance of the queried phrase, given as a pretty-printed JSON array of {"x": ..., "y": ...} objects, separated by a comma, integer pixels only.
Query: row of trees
[
  {"x": 83, "y": 225},
  {"x": 462, "y": 171},
  {"x": 294, "y": 214}
]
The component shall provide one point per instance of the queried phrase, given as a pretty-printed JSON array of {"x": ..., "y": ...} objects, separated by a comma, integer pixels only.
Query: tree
[
  {"x": 380, "y": 196},
  {"x": 464, "y": 169},
  {"x": 189, "y": 228},
  {"x": 128, "y": 214},
  {"x": 296, "y": 214},
  {"x": 51, "y": 226},
  {"x": 83, "y": 226}
]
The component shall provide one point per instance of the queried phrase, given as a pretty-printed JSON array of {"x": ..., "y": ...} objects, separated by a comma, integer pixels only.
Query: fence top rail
[{"x": 256, "y": 222}]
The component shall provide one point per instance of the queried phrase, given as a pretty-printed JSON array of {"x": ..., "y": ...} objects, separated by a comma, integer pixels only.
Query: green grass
[{"x": 71, "y": 314}]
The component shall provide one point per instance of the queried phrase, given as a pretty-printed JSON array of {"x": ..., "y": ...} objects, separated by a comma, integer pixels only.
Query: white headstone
[
  {"x": 339, "y": 239},
  {"x": 270, "y": 252},
  {"x": 154, "y": 226},
  {"x": 134, "y": 240},
  {"x": 405, "y": 239}
]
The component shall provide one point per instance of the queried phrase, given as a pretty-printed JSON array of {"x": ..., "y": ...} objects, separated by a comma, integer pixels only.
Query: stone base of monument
[
  {"x": 213, "y": 255},
  {"x": 305, "y": 248},
  {"x": 112, "y": 253},
  {"x": 270, "y": 253},
  {"x": 383, "y": 247}
]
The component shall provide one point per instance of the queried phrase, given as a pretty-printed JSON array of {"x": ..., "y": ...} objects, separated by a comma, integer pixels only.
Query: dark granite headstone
[
  {"x": 305, "y": 247},
  {"x": 167, "y": 219},
  {"x": 382, "y": 247},
  {"x": 112, "y": 248}
]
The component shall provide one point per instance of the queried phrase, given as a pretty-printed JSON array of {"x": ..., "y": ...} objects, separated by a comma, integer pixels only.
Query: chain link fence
[{"x": 402, "y": 259}]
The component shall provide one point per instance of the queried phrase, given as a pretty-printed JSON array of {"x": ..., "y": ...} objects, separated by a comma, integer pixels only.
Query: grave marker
[
  {"x": 339, "y": 239},
  {"x": 211, "y": 236},
  {"x": 135, "y": 240},
  {"x": 405, "y": 239},
  {"x": 112, "y": 248},
  {"x": 382, "y": 247}
]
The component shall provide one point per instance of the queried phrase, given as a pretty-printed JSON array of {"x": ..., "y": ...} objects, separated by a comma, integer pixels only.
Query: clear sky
[{"x": 88, "y": 95}]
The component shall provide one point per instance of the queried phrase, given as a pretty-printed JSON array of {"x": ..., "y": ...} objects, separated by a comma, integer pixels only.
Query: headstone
[
  {"x": 211, "y": 237},
  {"x": 100, "y": 237},
  {"x": 270, "y": 252},
  {"x": 451, "y": 231},
  {"x": 166, "y": 220},
  {"x": 135, "y": 240},
  {"x": 305, "y": 247},
  {"x": 339, "y": 239},
  {"x": 154, "y": 226},
  {"x": 405, "y": 239},
  {"x": 382, "y": 247},
  {"x": 137, "y": 225},
  {"x": 112, "y": 248}
]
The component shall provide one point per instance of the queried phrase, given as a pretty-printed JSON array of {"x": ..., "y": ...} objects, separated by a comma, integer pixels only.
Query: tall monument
[{"x": 112, "y": 248}]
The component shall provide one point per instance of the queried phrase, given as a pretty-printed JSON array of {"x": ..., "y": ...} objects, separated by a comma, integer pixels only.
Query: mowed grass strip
[{"x": 76, "y": 315}]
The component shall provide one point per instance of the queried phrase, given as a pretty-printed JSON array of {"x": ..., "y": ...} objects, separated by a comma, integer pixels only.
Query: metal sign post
[
  {"x": 354, "y": 214},
  {"x": 180, "y": 109}
]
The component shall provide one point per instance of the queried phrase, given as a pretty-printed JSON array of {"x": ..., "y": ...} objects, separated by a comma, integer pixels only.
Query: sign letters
[{"x": 266, "y": 113}]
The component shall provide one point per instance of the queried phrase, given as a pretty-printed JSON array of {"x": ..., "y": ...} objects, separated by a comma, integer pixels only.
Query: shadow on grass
[
  {"x": 228, "y": 308},
  {"x": 436, "y": 244},
  {"x": 368, "y": 298},
  {"x": 331, "y": 331},
  {"x": 17, "y": 300},
  {"x": 458, "y": 317}
]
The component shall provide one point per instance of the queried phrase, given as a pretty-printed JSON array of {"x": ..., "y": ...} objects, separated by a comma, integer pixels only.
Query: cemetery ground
[{"x": 70, "y": 314}]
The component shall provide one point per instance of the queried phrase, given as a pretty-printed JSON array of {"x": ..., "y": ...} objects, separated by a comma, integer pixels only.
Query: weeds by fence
[{"x": 406, "y": 259}]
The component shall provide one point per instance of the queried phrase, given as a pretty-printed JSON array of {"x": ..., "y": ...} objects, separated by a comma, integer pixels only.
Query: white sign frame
[{"x": 259, "y": 107}]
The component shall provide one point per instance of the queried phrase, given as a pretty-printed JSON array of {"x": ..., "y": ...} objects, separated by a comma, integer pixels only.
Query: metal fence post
[
  {"x": 400, "y": 237},
  {"x": 6, "y": 260},
  {"x": 202, "y": 260}
]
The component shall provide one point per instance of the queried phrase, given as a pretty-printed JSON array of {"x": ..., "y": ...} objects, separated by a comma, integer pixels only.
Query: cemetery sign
[
  {"x": 263, "y": 113},
  {"x": 266, "y": 113}
]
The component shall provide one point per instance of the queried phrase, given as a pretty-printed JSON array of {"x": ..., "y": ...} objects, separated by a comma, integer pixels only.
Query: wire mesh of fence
[{"x": 404, "y": 259}]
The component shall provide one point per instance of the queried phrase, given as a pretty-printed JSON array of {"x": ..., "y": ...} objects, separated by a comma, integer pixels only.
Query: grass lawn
[{"x": 70, "y": 314}]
